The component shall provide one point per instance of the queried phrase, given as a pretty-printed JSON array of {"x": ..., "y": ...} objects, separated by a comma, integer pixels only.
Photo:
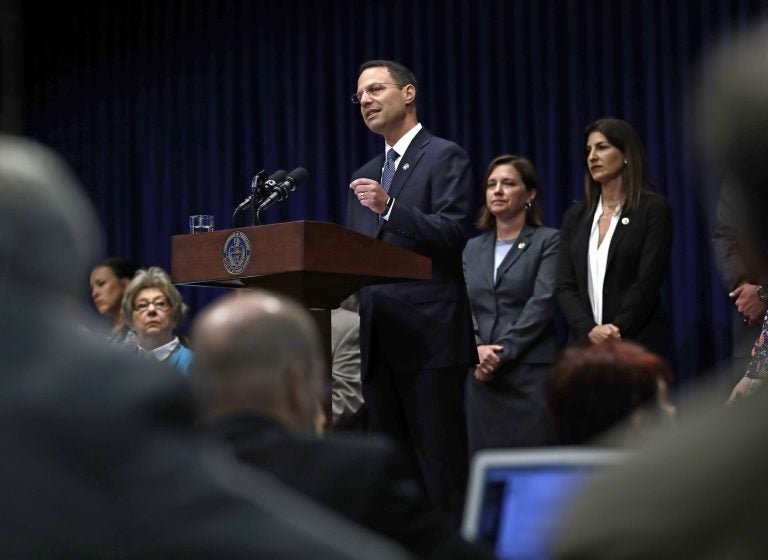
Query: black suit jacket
[
  {"x": 738, "y": 260},
  {"x": 638, "y": 258},
  {"x": 365, "y": 480},
  {"x": 427, "y": 324},
  {"x": 515, "y": 310}
]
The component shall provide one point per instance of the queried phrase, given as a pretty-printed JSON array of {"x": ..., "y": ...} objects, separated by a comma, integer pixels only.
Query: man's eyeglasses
[
  {"x": 374, "y": 91},
  {"x": 143, "y": 305}
]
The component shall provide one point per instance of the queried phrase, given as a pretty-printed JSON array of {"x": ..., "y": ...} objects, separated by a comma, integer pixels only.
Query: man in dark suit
[
  {"x": 100, "y": 458},
  {"x": 743, "y": 272},
  {"x": 416, "y": 338},
  {"x": 258, "y": 372}
]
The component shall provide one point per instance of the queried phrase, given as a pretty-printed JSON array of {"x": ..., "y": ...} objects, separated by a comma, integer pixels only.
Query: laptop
[{"x": 516, "y": 497}]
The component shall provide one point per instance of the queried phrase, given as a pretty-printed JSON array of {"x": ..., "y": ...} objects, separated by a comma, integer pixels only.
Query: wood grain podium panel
[{"x": 318, "y": 263}]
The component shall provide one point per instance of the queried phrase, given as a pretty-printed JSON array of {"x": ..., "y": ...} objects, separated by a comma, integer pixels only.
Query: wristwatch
[{"x": 762, "y": 293}]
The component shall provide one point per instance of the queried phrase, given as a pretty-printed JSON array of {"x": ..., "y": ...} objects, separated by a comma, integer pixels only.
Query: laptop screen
[{"x": 516, "y": 498}]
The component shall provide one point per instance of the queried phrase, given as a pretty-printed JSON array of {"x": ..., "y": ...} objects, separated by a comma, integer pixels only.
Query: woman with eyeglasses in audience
[
  {"x": 153, "y": 308},
  {"x": 109, "y": 279}
]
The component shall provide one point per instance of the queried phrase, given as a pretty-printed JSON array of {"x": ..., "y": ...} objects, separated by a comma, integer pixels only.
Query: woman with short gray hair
[{"x": 153, "y": 308}]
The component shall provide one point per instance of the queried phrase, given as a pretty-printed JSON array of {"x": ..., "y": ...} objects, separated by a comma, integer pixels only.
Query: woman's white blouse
[{"x": 597, "y": 258}]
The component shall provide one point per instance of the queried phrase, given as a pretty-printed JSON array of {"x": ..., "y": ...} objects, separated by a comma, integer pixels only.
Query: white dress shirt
[
  {"x": 597, "y": 259},
  {"x": 400, "y": 147},
  {"x": 162, "y": 353}
]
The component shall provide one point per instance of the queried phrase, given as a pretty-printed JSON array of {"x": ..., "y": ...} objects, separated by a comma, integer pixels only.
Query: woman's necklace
[{"x": 608, "y": 211}]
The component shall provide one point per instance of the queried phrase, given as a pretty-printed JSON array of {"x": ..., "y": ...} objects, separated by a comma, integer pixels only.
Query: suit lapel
[
  {"x": 581, "y": 242},
  {"x": 487, "y": 251},
  {"x": 618, "y": 234},
  {"x": 409, "y": 161},
  {"x": 520, "y": 246}
]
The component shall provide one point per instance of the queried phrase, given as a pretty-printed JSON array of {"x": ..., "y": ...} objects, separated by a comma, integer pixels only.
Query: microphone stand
[{"x": 257, "y": 186}]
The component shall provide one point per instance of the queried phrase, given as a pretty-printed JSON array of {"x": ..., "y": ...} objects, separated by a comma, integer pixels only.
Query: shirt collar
[
  {"x": 402, "y": 144},
  {"x": 162, "y": 353}
]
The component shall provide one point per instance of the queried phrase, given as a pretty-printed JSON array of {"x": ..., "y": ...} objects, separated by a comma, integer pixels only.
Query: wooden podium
[{"x": 317, "y": 263}]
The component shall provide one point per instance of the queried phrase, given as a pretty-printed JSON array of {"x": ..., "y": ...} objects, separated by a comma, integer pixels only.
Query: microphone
[
  {"x": 261, "y": 189},
  {"x": 274, "y": 180},
  {"x": 281, "y": 191}
]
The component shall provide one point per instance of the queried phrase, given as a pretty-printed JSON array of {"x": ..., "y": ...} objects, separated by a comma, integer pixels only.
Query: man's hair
[
  {"x": 400, "y": 73},
  {"x": 48, "y": 228},
  {"x": 153, "y": 277}
]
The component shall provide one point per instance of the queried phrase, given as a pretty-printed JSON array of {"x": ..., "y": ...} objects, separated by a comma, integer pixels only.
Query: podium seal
[{"x": 236, "y": 252}]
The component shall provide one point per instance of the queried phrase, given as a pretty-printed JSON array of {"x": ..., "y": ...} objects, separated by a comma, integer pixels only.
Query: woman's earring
[
  {"x": 626, "y": 163},
  {"x": 528, "y": 205}
]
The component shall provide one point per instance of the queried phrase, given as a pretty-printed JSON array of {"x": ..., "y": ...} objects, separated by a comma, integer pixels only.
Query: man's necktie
[{"x": 389, "y": 169}]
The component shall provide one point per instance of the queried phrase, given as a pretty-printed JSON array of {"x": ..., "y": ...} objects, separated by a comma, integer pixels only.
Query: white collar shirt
[
  {"x": 162, "y": 353},
  {"x": 400, "y": 147},
  {"x": 597, "y": 259}
]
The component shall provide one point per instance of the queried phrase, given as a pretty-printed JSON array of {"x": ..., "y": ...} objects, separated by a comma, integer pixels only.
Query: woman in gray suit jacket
[{"x": 510, "y": 274}]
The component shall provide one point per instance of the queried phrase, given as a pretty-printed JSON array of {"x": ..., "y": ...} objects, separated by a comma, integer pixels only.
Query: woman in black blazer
[
  {"x": 510, "y": 275},
  {"x": 615, "y": 245}
]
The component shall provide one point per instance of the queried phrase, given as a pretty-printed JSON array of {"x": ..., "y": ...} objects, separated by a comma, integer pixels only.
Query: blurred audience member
[
  {"x": 259, "y": 374},
  {"x": 596, "y": 388},
  {"x": 109, "y": 279},
  {"x": 743, "y": 272},
  {"x": 99, "y": 455},
  {"x": 510, "y": 272},
  {"x": 757, "y": 369},
  {"x": 153, "y": 309}
]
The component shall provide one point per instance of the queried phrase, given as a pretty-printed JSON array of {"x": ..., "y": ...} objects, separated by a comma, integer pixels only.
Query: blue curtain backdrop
[{"x": 168, "y": 108}]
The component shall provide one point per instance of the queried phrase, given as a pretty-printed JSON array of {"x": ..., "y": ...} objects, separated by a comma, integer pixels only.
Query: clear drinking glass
[{"x": 200, "y": 223}]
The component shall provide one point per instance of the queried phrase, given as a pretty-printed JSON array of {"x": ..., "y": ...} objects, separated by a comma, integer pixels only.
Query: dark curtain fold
[{"x": 168, "y": 108}]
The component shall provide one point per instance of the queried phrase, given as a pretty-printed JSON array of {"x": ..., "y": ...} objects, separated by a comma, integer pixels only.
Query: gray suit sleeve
[{"x": 346, "y": 386}]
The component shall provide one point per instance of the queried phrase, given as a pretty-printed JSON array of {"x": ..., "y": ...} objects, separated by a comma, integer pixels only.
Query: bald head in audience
[{"x": 259, "y": 353}]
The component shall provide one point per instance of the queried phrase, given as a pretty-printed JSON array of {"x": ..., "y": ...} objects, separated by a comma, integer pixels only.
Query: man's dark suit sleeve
[
  {"x": 725, "y": 242},
  {"x": 472, "y": 245},
  {"x": 444, "y": 228}
]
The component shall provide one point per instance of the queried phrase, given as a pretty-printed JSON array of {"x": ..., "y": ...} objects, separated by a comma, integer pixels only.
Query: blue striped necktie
[{"x": 389, "y": 169}]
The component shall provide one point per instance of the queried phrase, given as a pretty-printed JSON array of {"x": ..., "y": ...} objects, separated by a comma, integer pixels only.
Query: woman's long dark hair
[{"x": 635, "y": 177}]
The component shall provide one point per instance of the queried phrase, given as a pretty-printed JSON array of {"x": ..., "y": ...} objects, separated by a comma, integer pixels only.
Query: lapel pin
[
  {"x": 406, "y": 166},
  {"x": 625, "y": 221},
  {"x": 521, "y": 245}
]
